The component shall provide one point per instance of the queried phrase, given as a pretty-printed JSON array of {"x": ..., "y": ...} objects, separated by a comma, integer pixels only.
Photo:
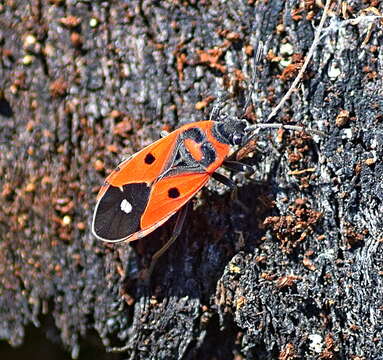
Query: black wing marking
[{"x": 118, "y": 213}]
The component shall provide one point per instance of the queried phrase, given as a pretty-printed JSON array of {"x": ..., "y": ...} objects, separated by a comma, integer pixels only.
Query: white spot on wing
[{"x": 126, "y": 206}]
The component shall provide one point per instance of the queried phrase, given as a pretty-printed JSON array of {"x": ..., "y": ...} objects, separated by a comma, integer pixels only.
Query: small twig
[{"x": 306, "y": 62}]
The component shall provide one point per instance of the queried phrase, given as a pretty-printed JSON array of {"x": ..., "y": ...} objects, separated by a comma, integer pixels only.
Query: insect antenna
[{"x": 283, "y": 126}]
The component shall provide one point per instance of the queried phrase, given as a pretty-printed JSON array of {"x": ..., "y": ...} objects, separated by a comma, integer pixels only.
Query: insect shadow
[{"x": 214, "y": 231}]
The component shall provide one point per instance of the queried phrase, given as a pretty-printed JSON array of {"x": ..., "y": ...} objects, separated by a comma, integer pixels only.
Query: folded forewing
[{"x": 169, "y": 194}]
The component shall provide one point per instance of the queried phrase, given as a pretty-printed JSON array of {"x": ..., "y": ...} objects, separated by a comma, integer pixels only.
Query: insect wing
[
  {"x": 170, "y": 194},
  {"x": 146, "y": 165},
  {"x": 125, "y": 195}
]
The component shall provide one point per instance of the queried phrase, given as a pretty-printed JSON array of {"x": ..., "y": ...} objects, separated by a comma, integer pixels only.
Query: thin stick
[{"x": 306, "y": 62}]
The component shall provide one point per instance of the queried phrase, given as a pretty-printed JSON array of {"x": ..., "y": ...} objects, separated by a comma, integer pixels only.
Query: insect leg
[
  {"x": 164, "y": 133},
  {"x": 237, "y": 166},
  {"x": 224, "y": 180},
  {"x": 215, "y": 114},
  {"x": 176, "y": 232},
  {"x": 232, "y": 185}
]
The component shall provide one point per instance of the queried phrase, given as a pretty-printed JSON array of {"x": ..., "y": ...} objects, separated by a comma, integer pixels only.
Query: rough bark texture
[{"x": 298, "y": 275}]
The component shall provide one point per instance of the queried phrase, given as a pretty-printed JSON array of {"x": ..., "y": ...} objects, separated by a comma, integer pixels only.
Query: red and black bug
[
  {"x": 151, "y": 186},
  {"x": 148, "y": 188}
]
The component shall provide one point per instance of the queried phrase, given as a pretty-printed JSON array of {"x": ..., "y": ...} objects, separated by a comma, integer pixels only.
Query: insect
[
  {"x": 145, "y": 190},
  {"x": 148, "y": 188}
]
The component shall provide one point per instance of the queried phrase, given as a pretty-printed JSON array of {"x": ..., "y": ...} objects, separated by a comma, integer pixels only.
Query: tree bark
[{"x": 292, "y": 270}]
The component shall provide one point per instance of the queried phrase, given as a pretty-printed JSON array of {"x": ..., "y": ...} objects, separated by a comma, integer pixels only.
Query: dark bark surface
[{"x": 294, "y": 273}]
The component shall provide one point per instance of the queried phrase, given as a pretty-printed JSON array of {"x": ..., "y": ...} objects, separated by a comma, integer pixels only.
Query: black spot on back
[
  {"x": 208, "y": 151},
  {"x": 149, "y": 159},
  {"x": 174, "y": 193},
  {"x": 110, "y": 222},
  {"x": 209, "y": 154},
  {"x": 194, "y": 133}
]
